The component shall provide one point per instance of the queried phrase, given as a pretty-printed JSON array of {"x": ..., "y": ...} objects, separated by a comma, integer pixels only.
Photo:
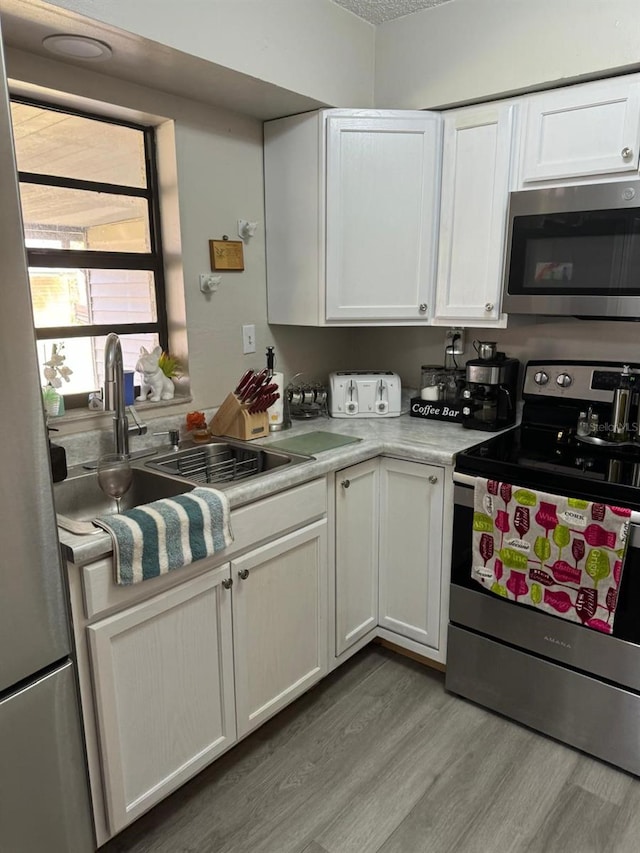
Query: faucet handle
[
  {"x": 139, "y": 428},
  {"x": 174, "y": 437}
]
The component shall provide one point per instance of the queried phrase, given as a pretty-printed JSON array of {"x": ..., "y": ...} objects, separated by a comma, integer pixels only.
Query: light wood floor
[{"x": 379, "y": 759}]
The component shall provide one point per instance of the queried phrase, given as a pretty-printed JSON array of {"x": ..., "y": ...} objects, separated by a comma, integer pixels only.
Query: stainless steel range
[{"x": 562, "y": 678}]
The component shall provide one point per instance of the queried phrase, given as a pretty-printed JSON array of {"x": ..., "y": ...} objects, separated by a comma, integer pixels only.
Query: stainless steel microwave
[{"x": 574, "y": 251}]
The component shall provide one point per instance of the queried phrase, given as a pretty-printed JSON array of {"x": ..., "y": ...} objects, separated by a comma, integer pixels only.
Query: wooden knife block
[{"x": 233, "y": 419}]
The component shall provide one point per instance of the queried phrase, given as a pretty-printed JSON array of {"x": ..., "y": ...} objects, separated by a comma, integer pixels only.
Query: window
[{"x": 89, "y": 204}]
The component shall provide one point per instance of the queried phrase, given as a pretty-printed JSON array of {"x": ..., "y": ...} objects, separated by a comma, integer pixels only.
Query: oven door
[
  {"x": 615, "y": 657},
  {"x": 574, "y": 250},
  {"x": 560, "y": 678}
]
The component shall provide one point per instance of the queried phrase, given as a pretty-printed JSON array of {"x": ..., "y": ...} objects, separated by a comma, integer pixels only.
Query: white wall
[
  {"x": 404, "y": 350},
  {"x": 313, "y": 47},
  {"x": 468, "y": 50}
]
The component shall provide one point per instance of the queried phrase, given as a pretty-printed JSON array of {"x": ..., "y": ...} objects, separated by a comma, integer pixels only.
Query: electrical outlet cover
[{"x": 454, "y": 341}]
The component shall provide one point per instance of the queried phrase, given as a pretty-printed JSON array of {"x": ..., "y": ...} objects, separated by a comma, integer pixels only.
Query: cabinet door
[
  {"x": 163, "y": 675},
  {"x": 357, "y": 490},
  {"x": 382, "y": 192},
  {"x": 411, "y": 501},
  {"x": 475, "y": 192},
  {"x": 279, "y": 623},
  {"x": 592, "y": 129}
]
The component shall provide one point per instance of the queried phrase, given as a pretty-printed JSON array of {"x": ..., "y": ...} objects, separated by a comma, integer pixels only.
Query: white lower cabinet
[
  {"x": 356, "y": 502},
  {"x": 279, "y": 623},
  {"x": 175, "y": 684},
  {"x": 389, "y": 546},
  {"x": 411, "y": 506},
  {"x": 173, "y": 671},
  {"x": 164, "y": 688}
]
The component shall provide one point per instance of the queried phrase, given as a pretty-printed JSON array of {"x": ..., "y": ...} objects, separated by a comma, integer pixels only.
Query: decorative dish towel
[
  {"x": 164, "y": 535},
  {"x": 558, "y": 554}
]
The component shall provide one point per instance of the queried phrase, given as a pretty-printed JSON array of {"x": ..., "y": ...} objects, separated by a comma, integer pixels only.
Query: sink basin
[
  {"x": 224, "y": 462},
  {"x": 78, "y": 500}
]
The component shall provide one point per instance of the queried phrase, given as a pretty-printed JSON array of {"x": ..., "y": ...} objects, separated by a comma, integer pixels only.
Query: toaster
[{"x": 364, "y": 394}]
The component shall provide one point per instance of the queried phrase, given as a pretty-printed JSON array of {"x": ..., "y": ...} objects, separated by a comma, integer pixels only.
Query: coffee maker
[{"x": 491, "y": 390}]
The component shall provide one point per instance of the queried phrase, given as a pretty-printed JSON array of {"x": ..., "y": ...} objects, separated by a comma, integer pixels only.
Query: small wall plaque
[{"x": 226, "y": 254}]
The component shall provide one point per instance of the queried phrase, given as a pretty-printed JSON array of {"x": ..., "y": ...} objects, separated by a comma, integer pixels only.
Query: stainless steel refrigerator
[{"x": 44, "y": 801}]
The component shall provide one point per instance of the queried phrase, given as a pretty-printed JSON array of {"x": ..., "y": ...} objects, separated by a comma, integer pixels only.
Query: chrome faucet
[{"x": 114, "y": 395}]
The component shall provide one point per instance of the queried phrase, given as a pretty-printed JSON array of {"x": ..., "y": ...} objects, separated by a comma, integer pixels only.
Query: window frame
[{"x": 152, "y": 261}]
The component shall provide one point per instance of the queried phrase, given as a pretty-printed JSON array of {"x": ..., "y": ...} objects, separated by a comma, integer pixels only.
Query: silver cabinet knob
[
  {"x": 433, "y": 479},
  {"x": 227, "y": 583},
  {"x": 244, "y": 574},
  {"x": 626, "y": 153},
  {"x": 423, "y": 307},
  {"x": 345, "y": 484},
  {"x": 564, "y": 380},
  {"x": 488, "y": 306},
  {"x": 541, "y": 378}
]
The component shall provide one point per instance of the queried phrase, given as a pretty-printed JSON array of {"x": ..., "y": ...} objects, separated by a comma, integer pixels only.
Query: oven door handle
[
  {"x": 634, "y": 519},
  {"x": 464, "y": 479}
]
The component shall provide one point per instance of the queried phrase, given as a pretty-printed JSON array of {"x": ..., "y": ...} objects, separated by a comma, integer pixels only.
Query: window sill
[{"x": 86, "y": 419}]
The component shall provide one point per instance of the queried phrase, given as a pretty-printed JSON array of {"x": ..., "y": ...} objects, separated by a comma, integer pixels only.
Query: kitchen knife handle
[{"x": 246, "y": 376}]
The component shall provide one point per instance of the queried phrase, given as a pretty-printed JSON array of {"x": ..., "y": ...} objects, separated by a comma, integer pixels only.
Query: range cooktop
[{"x": 545, "y": 453}]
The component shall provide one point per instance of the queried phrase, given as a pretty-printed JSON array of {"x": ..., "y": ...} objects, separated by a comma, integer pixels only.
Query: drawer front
[{"x": 251, "y": 525}]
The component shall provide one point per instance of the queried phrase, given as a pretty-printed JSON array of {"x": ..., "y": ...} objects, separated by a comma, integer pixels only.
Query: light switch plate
[{"x": 248, "y": 338}]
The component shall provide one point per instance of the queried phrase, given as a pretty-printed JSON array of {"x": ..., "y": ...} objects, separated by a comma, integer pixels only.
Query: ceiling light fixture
[{"x": 77, "y": 47}]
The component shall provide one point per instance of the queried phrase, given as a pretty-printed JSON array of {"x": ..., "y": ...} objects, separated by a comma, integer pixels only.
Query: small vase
[{"x": 53, "y": 402}]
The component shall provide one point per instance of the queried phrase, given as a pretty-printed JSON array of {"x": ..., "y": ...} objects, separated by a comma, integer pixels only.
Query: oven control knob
[
  {"x": 466, "y": 394},
  {"x": 564, "y": 380},
  {"x": 541, "y": 378}
]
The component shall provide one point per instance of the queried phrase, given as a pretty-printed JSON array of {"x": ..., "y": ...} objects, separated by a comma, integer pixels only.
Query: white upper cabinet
[
  {"x": 476, "y": 175},
  {"x": 580, "y": 131},
  {"x": 382, "y": 191},
  {"x": 351, "y": 217}
]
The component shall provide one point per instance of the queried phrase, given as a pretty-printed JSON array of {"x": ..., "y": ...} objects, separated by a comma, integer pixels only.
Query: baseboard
[{"x": 394, "y": 647}]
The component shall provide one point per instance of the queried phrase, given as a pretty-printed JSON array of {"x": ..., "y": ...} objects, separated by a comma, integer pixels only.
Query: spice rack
[{"x": 234, "y": 420}]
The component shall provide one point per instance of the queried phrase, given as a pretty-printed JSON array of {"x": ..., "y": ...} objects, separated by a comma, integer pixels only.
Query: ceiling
[{"x": 379, "y": 11}]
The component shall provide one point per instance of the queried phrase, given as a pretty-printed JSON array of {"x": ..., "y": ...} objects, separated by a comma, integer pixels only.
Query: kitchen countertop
[{"x": 404, "y": 437}]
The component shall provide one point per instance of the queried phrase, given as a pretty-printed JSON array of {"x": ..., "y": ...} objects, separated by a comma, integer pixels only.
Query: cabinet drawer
[{"x": 251, "y": 525}]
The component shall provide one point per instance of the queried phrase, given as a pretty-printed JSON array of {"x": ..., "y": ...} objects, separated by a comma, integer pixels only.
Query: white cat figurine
[{"x": 153, "y": 379}]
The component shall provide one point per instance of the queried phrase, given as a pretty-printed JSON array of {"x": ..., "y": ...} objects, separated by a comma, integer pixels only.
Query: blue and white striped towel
[{"x": 158, "y": 537}]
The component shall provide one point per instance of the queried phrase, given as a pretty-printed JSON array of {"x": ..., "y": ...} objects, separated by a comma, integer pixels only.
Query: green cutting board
[{"x": 312, "y": 442}]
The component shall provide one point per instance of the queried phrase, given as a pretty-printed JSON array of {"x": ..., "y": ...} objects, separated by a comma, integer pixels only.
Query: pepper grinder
[{"x": 621, "y": 407}]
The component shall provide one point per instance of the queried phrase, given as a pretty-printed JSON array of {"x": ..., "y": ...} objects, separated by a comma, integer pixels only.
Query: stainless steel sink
[
  {"x": 79, "y": 499},
  {"x": 223, "y": 463}
]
